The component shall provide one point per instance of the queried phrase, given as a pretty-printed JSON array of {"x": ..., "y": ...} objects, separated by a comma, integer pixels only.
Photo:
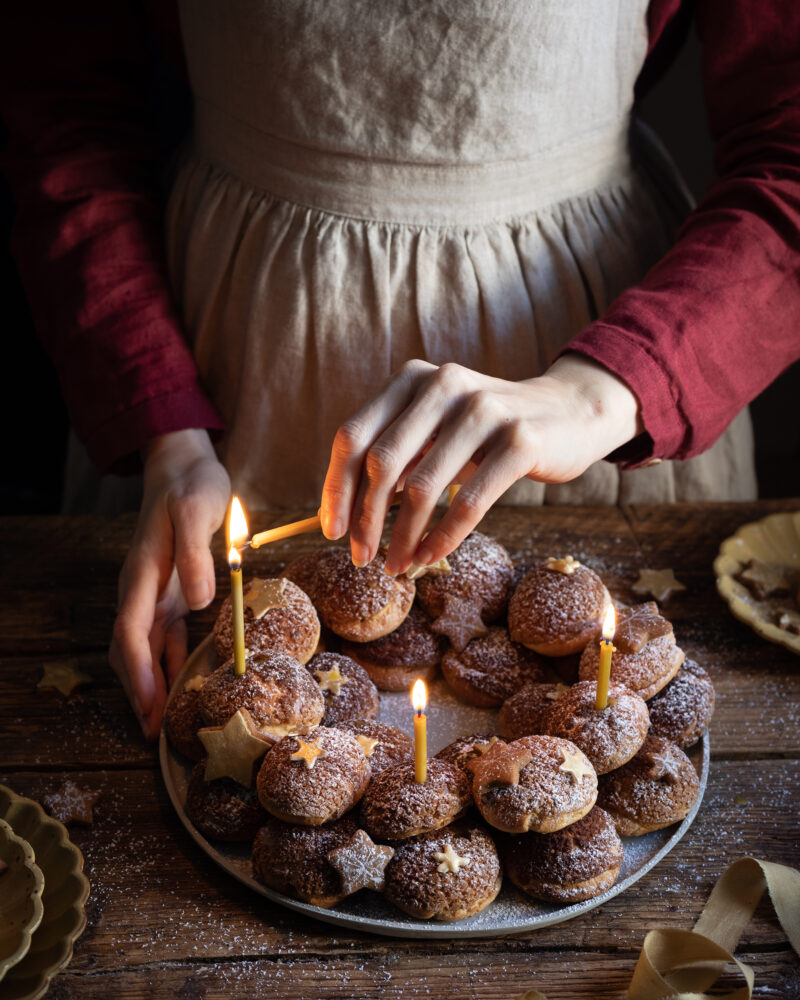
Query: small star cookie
[
  {"x": 71, "y": 804},
  {"x": 263, "y": 595},
  {"x": 658, "y": 582},
  {"x": 361, "y": 863},
  {"x": 234, "y": 748},
  {"x": 331, "y": 680},
  {"x": 450, "y": 861},
  {"x": 64, "y": 677},
  {"x": 567, "y": 565},
  {"x": 308, "y": 752},
  {"x": 576, "y": 764},
  {"x": 500, "y": 765},
  {"x": 765, "y": 580},
  {"x": 368, "y": 744},
  {"x": 637, "y": 626},
  {"x": 664, "y": 765},
  {"x": 460, "y": 621}
]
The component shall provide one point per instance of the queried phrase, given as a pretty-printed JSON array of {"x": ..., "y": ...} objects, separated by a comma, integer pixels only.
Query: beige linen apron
[{"x": 376, "y": 180}]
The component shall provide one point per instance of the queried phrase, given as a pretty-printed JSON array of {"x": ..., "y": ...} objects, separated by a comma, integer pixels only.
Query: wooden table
[{"x": 164, "y": 921}]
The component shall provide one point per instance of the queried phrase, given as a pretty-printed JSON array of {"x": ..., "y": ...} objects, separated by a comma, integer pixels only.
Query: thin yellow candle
[
  {"x": 237, "y": 534},
  {"x": 419, "y": 699},
  {"x": 606, "y": 649}
]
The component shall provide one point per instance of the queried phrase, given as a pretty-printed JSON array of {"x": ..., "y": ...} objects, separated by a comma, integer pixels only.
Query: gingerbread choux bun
[
  {"x": 522, "y": 714},
  {"x": 537, "y": 783},
  {"x": 278, "y": 616},
  {"x": 480, "y": 575},
  {"x": 655, "y": 789},
  {"x": 490, "y": 668},
  {"x": 681, "y": 711},
  {"x": 357, "y": 603},
  {"x": 396, "y": 806},
  {"x": 577, "y": 862},
  {"x": 608, "y": 736},
  {"x": 293, "y": 859},
  {"x": 182, "y": 719},
  {"x": 383, "y": 745},
  {"x": 645, "y": 655},
  {"x": 464, "y": 751},
  {"x": 223, "y": 809},
  {"x": 277, "y": 691},
  {"x": 348, "y": 691},
  {"x": 396, "y": 660},
  {"x": 558, "y": 607},
  {"x": 314, "y": 778},
  {"x": 449, "y": 874}
]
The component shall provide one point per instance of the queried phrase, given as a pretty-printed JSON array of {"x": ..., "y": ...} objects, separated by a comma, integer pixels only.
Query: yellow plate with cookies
[{"x": 770, "y": 550}]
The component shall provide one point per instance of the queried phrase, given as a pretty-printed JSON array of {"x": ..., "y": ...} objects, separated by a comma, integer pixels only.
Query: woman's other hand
[
  {"x": 432, "y": 426},
  {"x": 168, "y": 569}
]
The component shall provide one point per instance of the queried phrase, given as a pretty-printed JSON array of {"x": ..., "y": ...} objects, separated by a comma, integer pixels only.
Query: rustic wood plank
[
  {"x": 94, "y": 727},
  {"x": 466, "y": 976},
  {"x": 156, "y": 897}
]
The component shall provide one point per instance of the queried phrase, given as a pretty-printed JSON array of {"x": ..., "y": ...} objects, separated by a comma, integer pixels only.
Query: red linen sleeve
[
  {"x": 82, "y": 162},
  {"x": 718, "y": 318}
]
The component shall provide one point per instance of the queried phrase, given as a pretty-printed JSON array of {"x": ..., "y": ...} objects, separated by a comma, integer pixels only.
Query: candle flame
[
  {"x": 419, "y": 696},
  {"x": 237, "y": 524},
  {"x": 234, "y": 558},
  {"x": 609, "y": 623}
]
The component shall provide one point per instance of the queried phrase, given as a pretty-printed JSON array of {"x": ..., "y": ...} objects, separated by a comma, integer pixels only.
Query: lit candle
[
  {"x": 237, "y": 535},
  {"x": 419, "y": 699},
  {"x": 606, "y": 649}
]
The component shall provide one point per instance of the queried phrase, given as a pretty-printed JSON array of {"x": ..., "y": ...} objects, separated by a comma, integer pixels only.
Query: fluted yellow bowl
[
  {"x": 774, "y": 540},
  {"x": 21, "y": 887}
]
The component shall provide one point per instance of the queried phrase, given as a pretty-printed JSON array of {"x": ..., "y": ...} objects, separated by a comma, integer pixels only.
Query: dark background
[{"x": 34, "y": 420}]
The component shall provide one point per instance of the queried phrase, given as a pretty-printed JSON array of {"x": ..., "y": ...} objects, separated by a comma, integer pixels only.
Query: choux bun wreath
[{"x": 336, "y": 807}]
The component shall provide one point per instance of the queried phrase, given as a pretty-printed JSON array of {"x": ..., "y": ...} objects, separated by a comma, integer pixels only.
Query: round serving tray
[{"x": 511, "y": 913}]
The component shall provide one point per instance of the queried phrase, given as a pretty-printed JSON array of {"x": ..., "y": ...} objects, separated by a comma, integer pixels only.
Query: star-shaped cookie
[
  {"x": 766, "y": 579},
  {"x": 567, "y": 565},
  {"x": 307, "y": 752},
  {"x": 450, "y": 861},
  {"x": 658, "y": 582},
  {"x": 263, "y": 595},
  {"x": 331, "y": 680},
  {"x": 361, "y": 863},
  {"x": 575, "y": 764},
  {"x": 500, "y": 765},
  {"x": 72, "y": 804},
  {"x": 368, "y": 744},
  {"x": 664, "y": 764},
  {"x": 460, "y": 621},
  {"x": 638, "y": 625},
  {"x": 234, "y": 748},
  {"x": 64, "y": 677}
]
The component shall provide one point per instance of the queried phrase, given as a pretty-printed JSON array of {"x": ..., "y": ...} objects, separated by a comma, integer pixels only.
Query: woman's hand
[
  {"x": 432, "y": 426},
  {"x": 168, "y": 569}
]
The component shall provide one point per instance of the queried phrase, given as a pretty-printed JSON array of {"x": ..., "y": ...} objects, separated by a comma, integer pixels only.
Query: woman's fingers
[
  {"x": 353, "y": 440},
  {"x": 500, "y": 468},
  {"x": 196, "y": 513},
  {"x": 130, "y": 652},
  {"x": 440, "y": 394}
]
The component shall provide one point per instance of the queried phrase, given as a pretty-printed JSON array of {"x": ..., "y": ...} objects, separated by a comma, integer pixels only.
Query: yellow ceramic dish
[
  {"x": 21, "y": 888},
  {"x": 776, "y": 541},
  {"x": 65, "y": 892}
]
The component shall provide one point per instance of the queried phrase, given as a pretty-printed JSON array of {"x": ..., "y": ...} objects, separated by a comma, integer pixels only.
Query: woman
[{"x": 410, "y": 212}]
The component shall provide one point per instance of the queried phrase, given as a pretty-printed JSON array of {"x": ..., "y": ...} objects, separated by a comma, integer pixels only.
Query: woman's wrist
[
  {"x": 177, "y": 448},
  {"x": 610, "y": 405}
]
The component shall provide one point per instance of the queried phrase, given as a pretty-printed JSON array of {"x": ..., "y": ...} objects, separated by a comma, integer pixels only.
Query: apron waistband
[{"x": 410, "y": 193}]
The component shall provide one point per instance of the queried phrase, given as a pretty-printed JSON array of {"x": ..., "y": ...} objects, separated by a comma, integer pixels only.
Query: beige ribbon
[{"x": 681, "y": 965}]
